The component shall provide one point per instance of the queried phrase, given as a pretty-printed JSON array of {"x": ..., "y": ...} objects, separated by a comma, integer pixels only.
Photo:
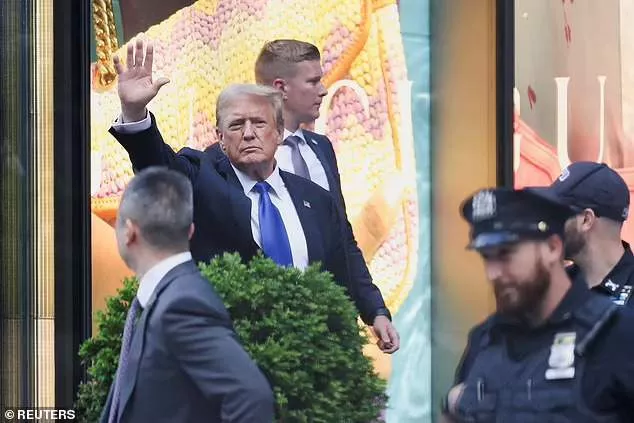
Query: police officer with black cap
[
  {"x": 553, "y": 351},
  {"x": 593, "y": 237}
]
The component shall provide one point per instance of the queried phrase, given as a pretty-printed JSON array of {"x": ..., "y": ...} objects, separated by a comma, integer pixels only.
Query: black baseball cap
[
  {"x": 500, "y": 216},
  {"x": 595, "y": 186}
]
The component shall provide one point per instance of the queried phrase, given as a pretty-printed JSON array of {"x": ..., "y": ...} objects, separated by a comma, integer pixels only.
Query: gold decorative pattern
[
  {"x": 106, "y": 43},
  {"x": 44, "y": 200}
]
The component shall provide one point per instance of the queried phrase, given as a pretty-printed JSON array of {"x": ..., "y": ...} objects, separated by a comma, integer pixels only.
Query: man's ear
[
  {"x": 589, "y": 219},
  {"x": 220, "y": 140},
  {"x": 191, "y": 231},
  {"x": 280, "y": 85},
  {"x": 131, "y": 232}
]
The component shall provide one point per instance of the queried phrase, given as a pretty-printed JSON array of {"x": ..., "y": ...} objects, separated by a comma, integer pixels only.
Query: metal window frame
[
  {"x": 505, "y": 68},
  {"x": 73, "y": 291}
]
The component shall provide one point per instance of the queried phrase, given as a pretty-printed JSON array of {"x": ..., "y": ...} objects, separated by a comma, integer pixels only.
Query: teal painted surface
[{"x": 409, "y": 387}]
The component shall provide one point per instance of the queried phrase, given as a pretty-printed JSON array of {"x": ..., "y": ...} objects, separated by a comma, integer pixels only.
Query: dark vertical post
[
  {"x": 72, "y": 193},
  {"x": 505, "y": 67}
]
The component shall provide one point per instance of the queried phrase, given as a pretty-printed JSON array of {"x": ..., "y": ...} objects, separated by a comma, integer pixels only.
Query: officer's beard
[{"x": 521, "y": 299}]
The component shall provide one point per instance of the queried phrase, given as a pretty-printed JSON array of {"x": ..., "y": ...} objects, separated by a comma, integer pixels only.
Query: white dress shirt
[
  {"x": 281, "y": 198},
  {"x": 315, "y": 168},
  {"x": 282, "y": 155},
  {"x": 152, "y": 277}
]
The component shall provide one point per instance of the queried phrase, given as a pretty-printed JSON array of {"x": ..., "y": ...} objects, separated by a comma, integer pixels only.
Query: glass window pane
[{"x": 26, "y": 195}]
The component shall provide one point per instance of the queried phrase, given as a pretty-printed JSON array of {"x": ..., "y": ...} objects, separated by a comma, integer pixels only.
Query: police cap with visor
[
  {"x": 499, "y": 216},
  {"x": 595, "y": 186}
]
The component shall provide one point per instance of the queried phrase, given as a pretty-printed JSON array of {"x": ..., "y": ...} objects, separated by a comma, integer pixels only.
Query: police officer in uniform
[
  {"x": 593, "y": 237},
  {"x": 553, "y": 351}
]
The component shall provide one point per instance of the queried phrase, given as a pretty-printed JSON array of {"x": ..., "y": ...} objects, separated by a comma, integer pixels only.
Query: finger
[
  {"x": 384, "y": 341},
  {"x": 159, "y": 83},
  {"x": 394, "y": 336},
  {"x": 391, "y": 350},
  {"x": 138, "y": 54},
  {"x": 149, "y": 57},
  {"x": 393, "y": 344},
  {"x": 386, "y": 347},
  {"x": 118, "y": 67},
  {"x": 130, "y": 57},
  {"x": 396, "y": 343},
  {"x": 385, "y": 335}
]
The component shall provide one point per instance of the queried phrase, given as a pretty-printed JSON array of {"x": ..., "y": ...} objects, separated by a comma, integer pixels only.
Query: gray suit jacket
[{"x": 186, "y": 364}]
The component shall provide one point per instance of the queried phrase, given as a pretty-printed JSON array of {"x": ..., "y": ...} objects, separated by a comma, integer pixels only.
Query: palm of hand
[{"x": 136, "y": 86}]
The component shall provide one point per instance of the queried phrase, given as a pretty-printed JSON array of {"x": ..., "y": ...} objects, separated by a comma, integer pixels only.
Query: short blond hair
[
  {"x": 231, "y": 92},
  {"x": 278, "y": 57}
]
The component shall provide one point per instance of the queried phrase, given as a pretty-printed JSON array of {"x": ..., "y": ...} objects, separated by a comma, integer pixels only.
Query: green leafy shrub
[{"x": 299, "y": 327}]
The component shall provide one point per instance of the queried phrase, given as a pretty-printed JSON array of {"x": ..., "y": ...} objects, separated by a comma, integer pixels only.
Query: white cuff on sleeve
[{"x": 131, "y": 127}]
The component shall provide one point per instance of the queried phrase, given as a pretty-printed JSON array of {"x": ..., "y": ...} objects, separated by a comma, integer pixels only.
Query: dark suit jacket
[
  {"x": 222, "y": 212},
  {"x": 186, "y": 364},
  {"x": 370, "y": 296}
]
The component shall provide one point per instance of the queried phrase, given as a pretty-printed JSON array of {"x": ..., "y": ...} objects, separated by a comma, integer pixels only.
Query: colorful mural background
[{"x": 376, "y": 63}]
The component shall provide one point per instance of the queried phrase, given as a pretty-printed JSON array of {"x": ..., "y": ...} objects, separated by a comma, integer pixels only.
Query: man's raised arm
[{"x": 135, "y": 129}]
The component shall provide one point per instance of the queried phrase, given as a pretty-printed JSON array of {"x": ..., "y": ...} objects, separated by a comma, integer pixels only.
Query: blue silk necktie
[{"x": 275, "y": 242}]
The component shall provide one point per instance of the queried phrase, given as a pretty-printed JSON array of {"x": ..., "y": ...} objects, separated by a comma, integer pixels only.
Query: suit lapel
[
  {"x": 316, "y": 147},
  {"x": 307, "y": 217},
  {"x": 107, "y": 409},
  {"x": 128, "y": 380},
  {"x": 240, "y": 203}
]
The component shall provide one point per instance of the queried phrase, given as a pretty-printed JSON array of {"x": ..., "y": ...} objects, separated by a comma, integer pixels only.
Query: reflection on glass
[
  {"x": 26, "y": 194},
  {"x": 574, "y": 76}
]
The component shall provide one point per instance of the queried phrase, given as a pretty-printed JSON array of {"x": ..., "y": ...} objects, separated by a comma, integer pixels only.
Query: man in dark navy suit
[
  {"x": 294, "y": 68},
  {"x": 243, "y": 202}
]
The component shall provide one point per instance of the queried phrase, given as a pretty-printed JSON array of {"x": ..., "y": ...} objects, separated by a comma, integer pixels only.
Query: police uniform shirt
[
  {"x": 618, "y": 284},
  {"x": 607, "y": 384}
]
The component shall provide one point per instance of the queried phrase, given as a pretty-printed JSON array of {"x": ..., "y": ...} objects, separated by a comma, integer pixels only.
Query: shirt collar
[
  {"x": 152, "y": 277},
  {"x": 274, "y": 180},
  {"x": 611, "y": 283},
  {"x": 299, "y": 133}
]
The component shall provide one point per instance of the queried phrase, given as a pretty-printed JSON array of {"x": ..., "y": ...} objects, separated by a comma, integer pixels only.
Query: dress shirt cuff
[{"x": 131, "y": 127}]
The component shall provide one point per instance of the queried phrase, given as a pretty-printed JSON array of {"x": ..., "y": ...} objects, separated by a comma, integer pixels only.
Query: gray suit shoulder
[{"x": 198, "y": 290}]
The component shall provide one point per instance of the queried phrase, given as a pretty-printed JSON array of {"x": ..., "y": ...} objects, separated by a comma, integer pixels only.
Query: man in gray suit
[{"x": 180, "y": 360}]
